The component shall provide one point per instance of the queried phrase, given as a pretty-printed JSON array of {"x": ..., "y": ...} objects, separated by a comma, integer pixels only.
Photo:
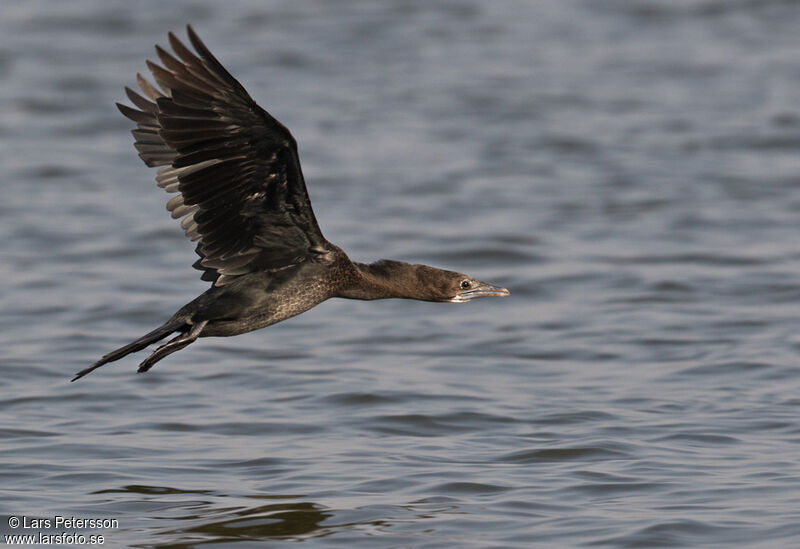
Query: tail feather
[{"x": 156, "y": 335}]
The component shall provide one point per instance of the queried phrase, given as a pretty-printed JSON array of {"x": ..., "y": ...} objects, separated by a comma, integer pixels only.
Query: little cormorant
[{"x": 242, "y": 197}]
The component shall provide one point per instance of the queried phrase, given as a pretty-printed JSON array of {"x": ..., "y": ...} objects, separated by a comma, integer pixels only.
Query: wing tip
[
  {"x": 193, "y": 38},
  {"x": 131, "y": 113},
  {"x": 149, "y": 90}
]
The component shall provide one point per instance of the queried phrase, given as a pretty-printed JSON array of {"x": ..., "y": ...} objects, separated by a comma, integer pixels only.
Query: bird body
[
  {"x": 259, "y": 299},
  {"x": 240, "y": 192}
]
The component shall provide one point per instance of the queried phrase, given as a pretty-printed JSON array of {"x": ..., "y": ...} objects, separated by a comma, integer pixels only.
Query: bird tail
[{"x": 156, "y": 335}]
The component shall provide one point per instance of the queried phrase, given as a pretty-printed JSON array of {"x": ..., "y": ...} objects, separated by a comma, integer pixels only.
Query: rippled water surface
[{"x": 629, "y": 169}]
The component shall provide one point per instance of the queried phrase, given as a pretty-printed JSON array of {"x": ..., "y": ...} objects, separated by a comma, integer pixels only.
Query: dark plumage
[{"x": 240, "y": 191}]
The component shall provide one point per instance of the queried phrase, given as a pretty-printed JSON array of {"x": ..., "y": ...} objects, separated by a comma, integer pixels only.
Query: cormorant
[{"x": 242, "y": 197}]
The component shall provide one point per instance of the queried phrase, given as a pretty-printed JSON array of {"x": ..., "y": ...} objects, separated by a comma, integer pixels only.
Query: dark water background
[{"x": 629, "y": 169}]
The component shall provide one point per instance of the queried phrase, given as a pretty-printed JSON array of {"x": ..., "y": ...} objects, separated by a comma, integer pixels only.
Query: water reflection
[
  {"x": 263, "y": 522},
  {"x": 218, "y": 518}
]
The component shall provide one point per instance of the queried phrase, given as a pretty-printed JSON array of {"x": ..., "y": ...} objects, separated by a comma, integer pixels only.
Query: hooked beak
[{"x": 482, "y": 290}]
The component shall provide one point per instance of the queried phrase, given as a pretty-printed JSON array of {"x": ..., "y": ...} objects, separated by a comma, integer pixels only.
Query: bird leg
[{"x": 175, "y": 344}]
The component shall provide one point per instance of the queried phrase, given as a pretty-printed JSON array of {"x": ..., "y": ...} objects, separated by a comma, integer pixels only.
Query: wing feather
[{"x": 240, "y": 188}]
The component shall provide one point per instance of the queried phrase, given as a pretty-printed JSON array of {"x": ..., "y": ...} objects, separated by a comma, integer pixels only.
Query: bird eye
[{"x": 465, "y": 284}]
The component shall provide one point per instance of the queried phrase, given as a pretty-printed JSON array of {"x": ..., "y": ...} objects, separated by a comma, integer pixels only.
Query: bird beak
[{"x": 482, "y": 290}]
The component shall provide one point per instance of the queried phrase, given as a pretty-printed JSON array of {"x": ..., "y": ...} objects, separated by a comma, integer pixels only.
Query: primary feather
[{"x": 235, "y": 169}]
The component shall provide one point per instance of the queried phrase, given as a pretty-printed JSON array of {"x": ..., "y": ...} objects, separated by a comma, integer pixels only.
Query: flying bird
[{"x": 235, "y": 175}]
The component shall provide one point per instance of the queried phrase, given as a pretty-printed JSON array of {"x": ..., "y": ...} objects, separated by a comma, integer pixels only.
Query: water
[{"x": 629, "y": 169}]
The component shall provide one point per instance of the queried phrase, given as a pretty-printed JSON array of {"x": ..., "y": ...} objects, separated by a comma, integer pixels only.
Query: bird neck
[{"x": 384, "y": 279}]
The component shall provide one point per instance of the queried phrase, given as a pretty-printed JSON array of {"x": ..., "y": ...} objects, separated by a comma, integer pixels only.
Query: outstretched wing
[{"x": 235, "y": 168}]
